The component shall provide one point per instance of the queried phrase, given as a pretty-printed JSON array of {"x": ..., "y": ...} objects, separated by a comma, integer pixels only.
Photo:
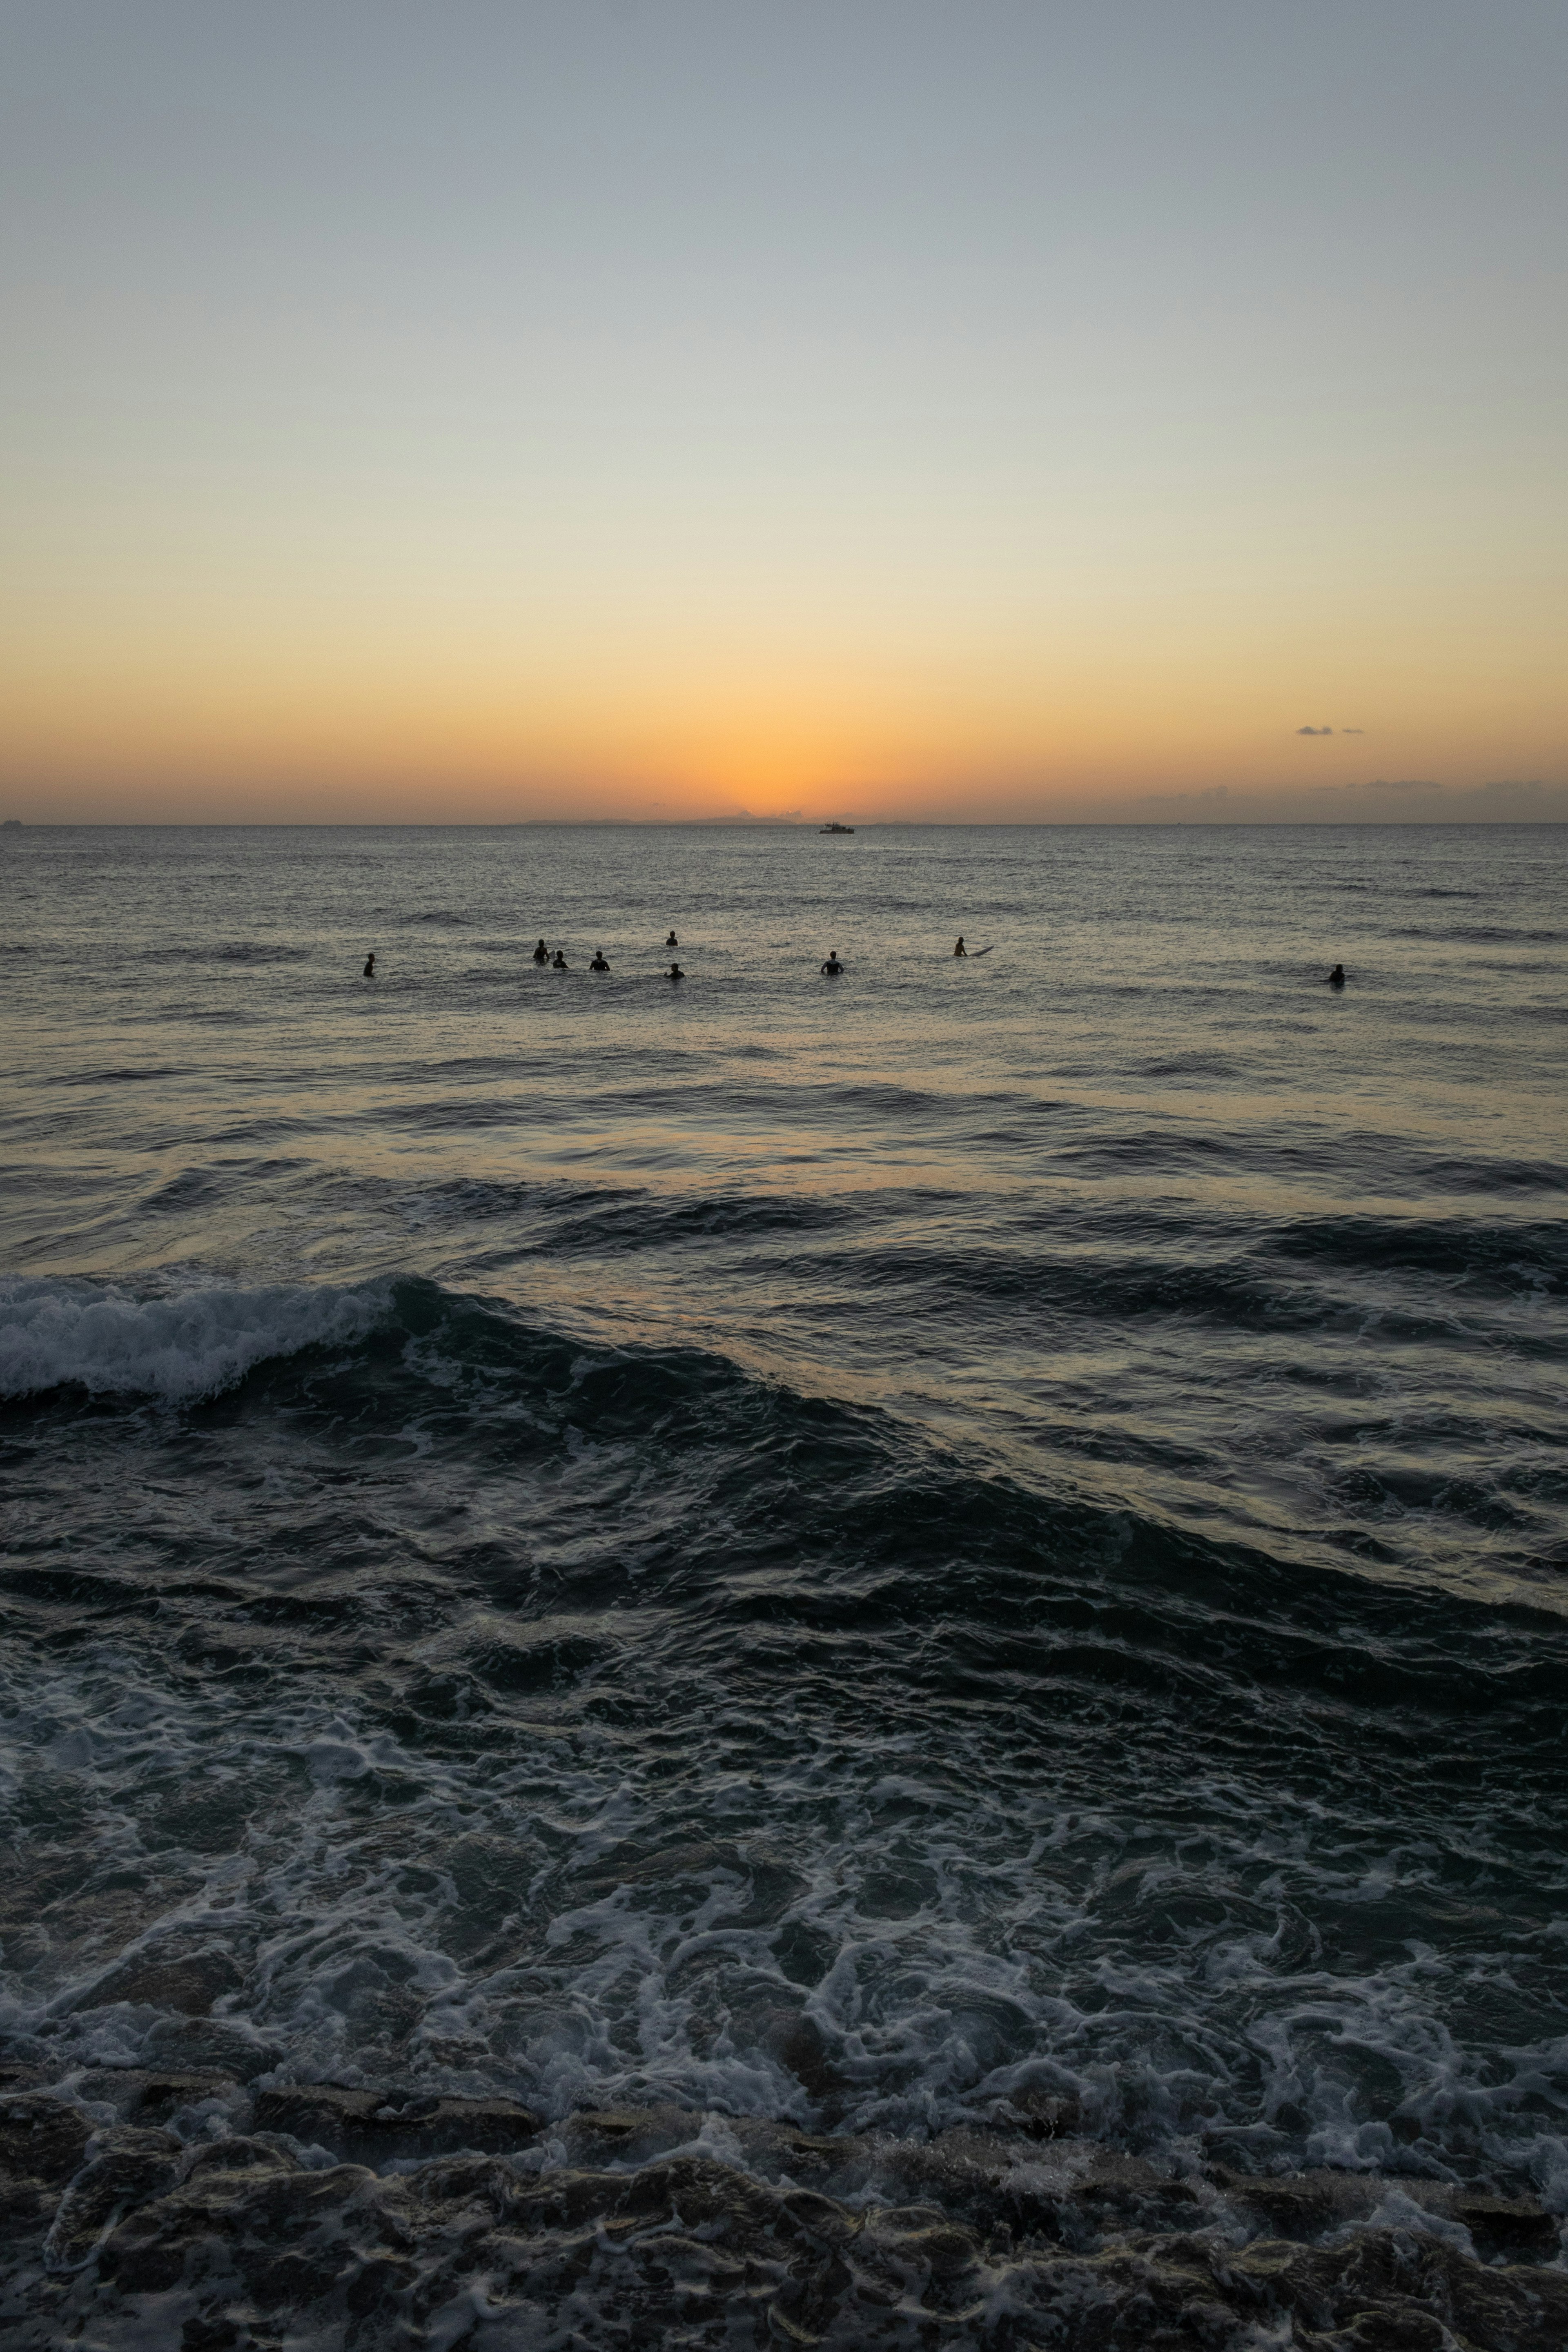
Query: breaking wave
[{"x": 56, "y": 1334}]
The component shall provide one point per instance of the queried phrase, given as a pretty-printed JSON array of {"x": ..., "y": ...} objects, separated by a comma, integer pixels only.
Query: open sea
[{"x": 842, "y": 1588}]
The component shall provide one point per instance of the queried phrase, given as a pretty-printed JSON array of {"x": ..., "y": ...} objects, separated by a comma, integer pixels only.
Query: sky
[{"x": 830, "y": 408}]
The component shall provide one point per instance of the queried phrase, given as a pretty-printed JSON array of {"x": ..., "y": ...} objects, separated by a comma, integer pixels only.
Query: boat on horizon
[{"x": 835, "y": 828}]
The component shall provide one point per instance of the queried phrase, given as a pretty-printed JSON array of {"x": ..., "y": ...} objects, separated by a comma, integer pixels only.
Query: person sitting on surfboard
[
  {"x": 598, "y": 963},
  {"x": 1337, "y": 977},
  {"x": 560, "y": 964},
  {"x": 961, "y": 949},
  {"x": 675, "y": 972},
  {"x": 833, "y": 965},
  {"x": 542, "y": 954}
]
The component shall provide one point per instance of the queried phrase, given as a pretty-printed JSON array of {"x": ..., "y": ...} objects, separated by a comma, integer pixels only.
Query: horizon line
[{"x": 775, "y": 824}]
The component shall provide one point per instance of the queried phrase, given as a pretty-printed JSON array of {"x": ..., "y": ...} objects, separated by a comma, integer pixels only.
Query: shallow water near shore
[{"x": 973, "y": 1547}]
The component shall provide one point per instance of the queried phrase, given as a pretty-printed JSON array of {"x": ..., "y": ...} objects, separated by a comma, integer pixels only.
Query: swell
[
  {"x": 236, "y": 951},
  {"x": 754, "y": 1539},
  {"x": 431, "y": 1377}
]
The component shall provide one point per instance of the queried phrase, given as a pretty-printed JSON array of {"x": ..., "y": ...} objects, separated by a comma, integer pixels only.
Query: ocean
[{"x": 943, "y": 1590}]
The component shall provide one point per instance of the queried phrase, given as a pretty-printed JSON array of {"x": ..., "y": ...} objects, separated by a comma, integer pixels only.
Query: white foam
[
  {"x": 53, "y": 1332},
  {"x": 591, "y": 1986}
]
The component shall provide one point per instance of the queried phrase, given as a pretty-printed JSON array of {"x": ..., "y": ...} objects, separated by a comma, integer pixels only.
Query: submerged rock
[
  {"x": 43, "y": 2141},
  {"x": 377, "y": 2127},
  {"x": 187, "y": 1984},
  {"x": 639, "y": 2226}
]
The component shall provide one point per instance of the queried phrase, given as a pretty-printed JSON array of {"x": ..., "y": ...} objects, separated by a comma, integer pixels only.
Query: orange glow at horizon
[{"x": 685, "y": 719}]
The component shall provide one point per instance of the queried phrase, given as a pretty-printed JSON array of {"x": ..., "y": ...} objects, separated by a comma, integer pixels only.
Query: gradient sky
[{"x": 582, "y": 407}]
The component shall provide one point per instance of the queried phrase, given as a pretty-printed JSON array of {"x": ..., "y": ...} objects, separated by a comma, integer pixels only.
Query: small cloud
[{"x": 1314, "y": 730}]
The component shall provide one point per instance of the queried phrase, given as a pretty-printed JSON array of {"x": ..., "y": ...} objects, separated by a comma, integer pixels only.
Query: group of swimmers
[{"x": 558, "y": 963}]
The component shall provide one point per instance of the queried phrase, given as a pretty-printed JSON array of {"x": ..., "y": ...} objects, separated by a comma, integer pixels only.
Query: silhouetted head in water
[
  {"x": 672, "y": 941},
  {"x": 560, "y": 964},
  {"x": 370, "y": 967},
  {"x": 833, "y": 964},
  {"x": 598, "y": 963},
  {"x": 542, "y": 954},
  {"x": 676, "y": 972},
  {"x": 1337, "y": 977},
  {"x": 961, "y": 949}
]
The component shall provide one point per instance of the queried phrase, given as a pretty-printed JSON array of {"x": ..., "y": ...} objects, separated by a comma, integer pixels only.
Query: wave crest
[{"x": 58, "y": 1333}]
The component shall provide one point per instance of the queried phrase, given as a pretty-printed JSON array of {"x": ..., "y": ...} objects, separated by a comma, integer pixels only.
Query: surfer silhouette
[
  {"x": 542, "y": 954},
  {"x": 675, "y": 972},
  {"x": 598, "y": 963},
  {"x": 833, "y": 966},
  {"x": 1337, "y": 977},
  {"x": 672, "y": 941},
  {"x": 370, "y": 967},
  {"x": 961, "y": 949},
  {"x": 560, "y": 964}
]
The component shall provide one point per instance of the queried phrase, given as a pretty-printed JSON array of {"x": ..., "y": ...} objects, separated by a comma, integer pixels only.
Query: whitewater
[{"x": 790, "y": 1658}]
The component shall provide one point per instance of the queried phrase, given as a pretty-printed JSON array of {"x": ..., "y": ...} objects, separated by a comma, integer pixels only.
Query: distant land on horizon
[
  {"x": 1339, "y": 820},
  {"x": 921, "y": 801}
]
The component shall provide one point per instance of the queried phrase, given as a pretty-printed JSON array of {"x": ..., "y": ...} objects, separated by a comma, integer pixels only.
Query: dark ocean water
[{"x": 842, "y": 1552}]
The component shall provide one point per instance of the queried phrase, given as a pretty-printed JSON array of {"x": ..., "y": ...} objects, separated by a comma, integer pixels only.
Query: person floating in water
[
  {"x": 598, "y": 963},
  {"x": 961, "y": 949},
  {"x": 672, "y": 941},
  {"x": 1337, "y": 977},
  {"x": 675, "y": 972},
  {"x": 833, "y": 965},
  {"x": 370, "y": 967},
  {"x": 542, "y": 954}
]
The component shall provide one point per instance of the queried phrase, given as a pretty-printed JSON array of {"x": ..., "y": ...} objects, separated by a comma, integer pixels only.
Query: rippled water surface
[{"x": 840, "y": 1550}]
